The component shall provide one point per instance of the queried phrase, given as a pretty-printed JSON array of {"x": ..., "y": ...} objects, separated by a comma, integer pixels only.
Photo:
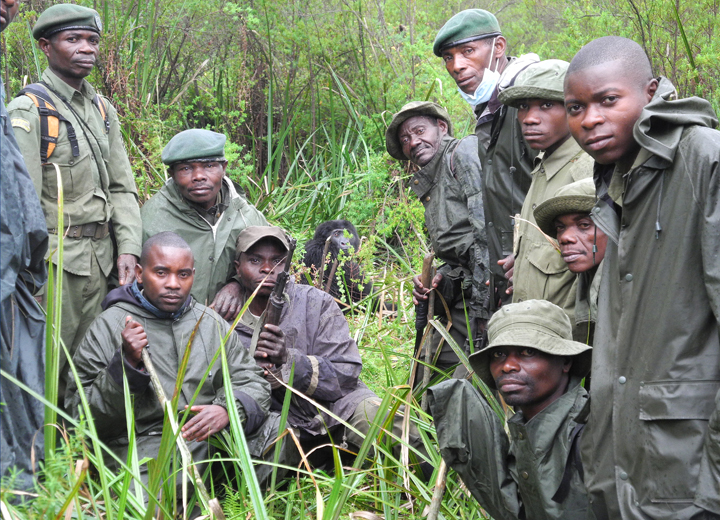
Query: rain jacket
[
  {"x": 326, "y": 359},
  {"x": 213, "y": 246},
  {"x": 514, "y": 477},
  {"x": 586, "y": 300},
  {"x": 540, "y": 271},
  {"x": 651, "y": 447}
]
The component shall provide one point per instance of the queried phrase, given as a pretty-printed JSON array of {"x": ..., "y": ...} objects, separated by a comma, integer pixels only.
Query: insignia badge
[
  {"x": 98, "y": 22},
  {"x": 17, "y": 122}
]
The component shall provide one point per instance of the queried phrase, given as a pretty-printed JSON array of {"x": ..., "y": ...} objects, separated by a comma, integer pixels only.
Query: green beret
[
  {"x": 577, "y": 197},
  {"x": 194, "y": 145},
  {"x": 536, "y": 324},
  {"x": 412, "y": 109},
  {"x": 62, "y": 17},
  {"x": 466, "y": 26},
  {"x": 541, "y": 80}
]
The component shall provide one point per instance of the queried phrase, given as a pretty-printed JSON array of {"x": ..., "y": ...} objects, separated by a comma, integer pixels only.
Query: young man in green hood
[{"x": 651, "y": 448}]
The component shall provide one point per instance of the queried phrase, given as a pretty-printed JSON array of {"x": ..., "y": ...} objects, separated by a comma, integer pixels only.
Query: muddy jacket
[
  {"x": 100, "y": 365},
  {"x": 517, "y": 477},
  {"x": 326, "y": 359},
  {"x": 540, "y": 271},
  {"x": 450, "y": 188},
  {"x": 98, "y": 185},
  {"x": 212, "y": 246},
  {"x": 651, "y": 447}
]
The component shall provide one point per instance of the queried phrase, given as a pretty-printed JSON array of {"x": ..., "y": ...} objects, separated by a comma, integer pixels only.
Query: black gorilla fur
[{"x": 350, "y": 272}]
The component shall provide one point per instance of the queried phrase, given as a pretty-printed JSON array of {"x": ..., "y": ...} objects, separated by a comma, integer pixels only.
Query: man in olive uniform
[
  {"x": 474, "y": 51},
  {"x": 90, "y": 160},
  {"x": 537, "y": 368},
  {"x": 448, "y": 184},
  {"x": 200, "y": 203},
  {"x": 540, "y": 273}
]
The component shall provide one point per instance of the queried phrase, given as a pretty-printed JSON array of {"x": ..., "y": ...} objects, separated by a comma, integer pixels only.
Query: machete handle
[{"x": 421, "y": 309}]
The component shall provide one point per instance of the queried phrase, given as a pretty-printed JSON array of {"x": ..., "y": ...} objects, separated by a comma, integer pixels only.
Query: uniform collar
[
  {"x": 65, "y": 90},
  {"x": 569, "y": 151}
]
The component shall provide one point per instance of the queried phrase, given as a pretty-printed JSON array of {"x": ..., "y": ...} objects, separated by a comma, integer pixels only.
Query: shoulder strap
[
  {"x": 49, "y": 121},
  {"x": 100, "y": 104}
]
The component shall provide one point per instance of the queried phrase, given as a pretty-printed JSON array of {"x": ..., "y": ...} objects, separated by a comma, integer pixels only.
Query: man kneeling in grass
[
  {"x": 537, "y": 368},
  {"x": 157, "y": 312}
]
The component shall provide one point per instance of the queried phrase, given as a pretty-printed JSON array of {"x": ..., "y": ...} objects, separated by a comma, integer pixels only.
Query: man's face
[
  {"x": 603, "y": 103},
  {"x": 420, "y": 138},
  {"x": 544, "y": 123},
  {"x": 529, "y": 379},
  {"x": 167, "y": 277},
  {"x": 263, "y": 259},
  {"x": 8, "y": 10},
  {"x": 466, "y": 63},
  {"x": 576, "y": 234},
  {"x": 71, "y": 54},
  {"x": 199, "y": 181}
]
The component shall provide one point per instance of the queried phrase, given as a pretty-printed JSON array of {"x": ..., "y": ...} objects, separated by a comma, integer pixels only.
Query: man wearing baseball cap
[
  {"x": 537, "y": 368},
  {"x": 200, "y": 203}
]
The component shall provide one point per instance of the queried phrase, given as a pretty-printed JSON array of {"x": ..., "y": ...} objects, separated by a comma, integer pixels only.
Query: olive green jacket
[
  {"x": 540, "y": 271},
  {"x": 651, "y": 447},
  {"x": 450, "y": 189},
  {"x": 98, "y": 185},
  {"x": 212, "y": 246},
  {"x": 586, "y": 303},
  {"x": 513, "y": 477}
]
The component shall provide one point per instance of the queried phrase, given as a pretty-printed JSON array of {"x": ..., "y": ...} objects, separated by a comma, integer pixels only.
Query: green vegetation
[{"x": 304, "y": 91}]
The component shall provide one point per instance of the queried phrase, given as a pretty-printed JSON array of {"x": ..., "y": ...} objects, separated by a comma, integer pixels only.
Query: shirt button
[
  {"x": 416, "y": 182},
  {"x": 628, "y": 277},
  {"x": 622, "y": 380},
  {"x": 229, "y": 219},
  {"x": 525, "y": 475},
  {"x": 489, "y": 161},
  {"x": 521, "y": 436},
  {"x": 490, "y": 224},
  {"x": 211, "y": 259},
  {"x": 623, "y": 475},
  {"x": 427, "y": 199},
  {"x": 534, "y": 206},
  {"x": 71, "y": 162}
]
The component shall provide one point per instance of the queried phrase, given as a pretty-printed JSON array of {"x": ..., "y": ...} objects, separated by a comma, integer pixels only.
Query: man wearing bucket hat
[
  {"x": 474, "y": 52},
  {"x": 537, "y": 368},
  {"x": 65, "y": 129},
  {"x": 448, "y": 184},
  {"x": 566, "y": 217},
  {"x": 540, "y": 272},
  {"x": 201, "y": 203}
]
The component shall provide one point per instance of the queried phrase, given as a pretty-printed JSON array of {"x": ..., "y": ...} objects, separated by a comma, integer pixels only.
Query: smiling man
[
  {"x": 652, "y": 442},
  {"x": 202, "y": 204},
  {"x": 537, "y": 368},
  {"x": 79, "y": 133},
  {"x": 537, "y": 95}
]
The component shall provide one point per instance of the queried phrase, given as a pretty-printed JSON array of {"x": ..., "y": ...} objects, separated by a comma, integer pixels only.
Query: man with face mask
[{"x": 473, "y": 50}]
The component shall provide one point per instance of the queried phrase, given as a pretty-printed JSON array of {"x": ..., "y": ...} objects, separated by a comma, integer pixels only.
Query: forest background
[{"x": 304, "y": 91}]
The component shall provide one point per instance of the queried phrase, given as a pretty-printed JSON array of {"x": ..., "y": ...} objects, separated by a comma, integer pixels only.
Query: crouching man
[
  {"x": 537, "y": 368},
  {"x": 157, "y": 312}
]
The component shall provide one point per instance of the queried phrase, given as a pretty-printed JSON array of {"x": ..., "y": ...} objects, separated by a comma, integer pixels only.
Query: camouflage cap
[
  {"x": 194, "y": 145},
  {"x": 536, "y": 324},
  {"x": 62, "y": 17},
  {"x": 578, "y": 197},
  {"x": 412, "y": 109},
  {"x": 249, "y": 236},
  {"x": 541, "y": 80},
  {"x": 466, "y": 26}
]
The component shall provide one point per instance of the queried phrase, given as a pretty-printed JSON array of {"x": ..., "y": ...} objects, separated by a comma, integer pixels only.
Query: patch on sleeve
[{"x": 18, "y": 122}]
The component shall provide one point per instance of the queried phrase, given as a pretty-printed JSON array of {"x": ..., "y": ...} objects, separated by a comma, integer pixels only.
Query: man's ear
[
  {"x": 224, "y": 167},
  {"x": 44, "y": 45},
  {"x": 171, "y": 171},
  {"x": 138, "y": 272},
  {"x": 651, "y": 88},
  {"x": 500, "y": 47},
  {"x": 443, "y": 126},
  {"x": 567, "y": 365}
]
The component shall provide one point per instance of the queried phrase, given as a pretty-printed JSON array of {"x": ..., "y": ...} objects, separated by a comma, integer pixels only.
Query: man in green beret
[
  {"x": 201, "y": 204},
  {"x": 540, "y": 273},
  {"x": 448, "y": 184},
  {"x": 77, "y": 141},
  {"x": 537, "y": 368},
  {"x": 474, "y": 51}
]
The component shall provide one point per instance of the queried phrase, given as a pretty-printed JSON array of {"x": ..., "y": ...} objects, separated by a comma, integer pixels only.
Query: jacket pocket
[
  {"x": 546, "y": 259},
  {"x": 677, "y": 400}
]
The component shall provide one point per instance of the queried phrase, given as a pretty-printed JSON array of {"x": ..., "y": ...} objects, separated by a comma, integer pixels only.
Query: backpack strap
[
  {"x": 49, "y": 121},
  {"x": 100, "y": 104}
]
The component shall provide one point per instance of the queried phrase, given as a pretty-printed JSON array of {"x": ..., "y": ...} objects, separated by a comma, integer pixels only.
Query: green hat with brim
[
  {"x": 64, "y": 17},
  {"x": 464, "y": 27},
  {"x": 541, "y": 80},
  {"x": 578, "y": 197},
  {"x": 412, "y": 109},
  {"x": 251, "y": 235},
  {"x": 536, "y": 324},
  {"x": 194, "y": 145}
]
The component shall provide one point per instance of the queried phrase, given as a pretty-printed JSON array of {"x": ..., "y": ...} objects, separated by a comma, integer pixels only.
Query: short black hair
[
  {"x": 613, "y": 48},
  {"x": 164, "y": 239}
]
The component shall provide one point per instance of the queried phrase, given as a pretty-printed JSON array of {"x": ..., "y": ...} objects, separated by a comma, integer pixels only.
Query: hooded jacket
[{"x": 651, "y": 448}]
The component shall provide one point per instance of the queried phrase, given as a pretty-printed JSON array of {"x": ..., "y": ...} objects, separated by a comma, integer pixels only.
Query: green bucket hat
[
  {"x": 249, "y": 236},
  {"x": 536, "y": 324},
  {"x": 578, "y": 197},
  {"x": 194, "y": 145},
  {"x": 412, "y": 109},
  {"x": 464, "y": 27},
  {"x": 541, "y": 80},
  {"x": 62, "y": 17}
]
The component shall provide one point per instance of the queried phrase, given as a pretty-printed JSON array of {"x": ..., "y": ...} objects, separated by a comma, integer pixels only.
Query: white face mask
[{"x": 484, "y": 91}]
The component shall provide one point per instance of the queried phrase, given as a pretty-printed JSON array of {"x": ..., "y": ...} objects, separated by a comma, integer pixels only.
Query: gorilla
[{"x": 342, "y": 277}]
